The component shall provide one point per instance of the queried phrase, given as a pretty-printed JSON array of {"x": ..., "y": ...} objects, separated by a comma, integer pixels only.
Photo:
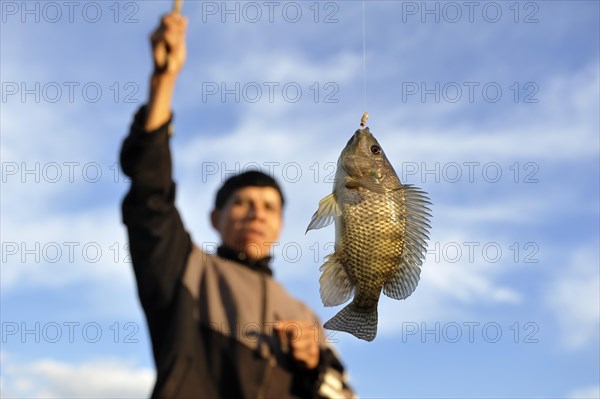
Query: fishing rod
[
  {"x": 161, "y": 50},
  {"x": 177, "y": 4}
]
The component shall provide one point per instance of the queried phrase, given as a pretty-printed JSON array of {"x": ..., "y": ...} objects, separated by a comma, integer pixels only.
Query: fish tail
[{"x": 358, "y": 322}]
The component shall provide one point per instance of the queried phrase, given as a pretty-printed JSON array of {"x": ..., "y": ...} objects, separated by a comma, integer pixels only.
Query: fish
[{"x": 381, "y": 232}]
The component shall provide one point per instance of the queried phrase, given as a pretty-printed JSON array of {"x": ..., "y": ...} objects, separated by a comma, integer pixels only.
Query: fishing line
[
  {"x": 364, "y": 49},
  {"x": 363, "y": 121}
]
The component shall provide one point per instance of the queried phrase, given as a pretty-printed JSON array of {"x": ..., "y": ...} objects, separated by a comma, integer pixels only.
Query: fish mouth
[
  {"x": 359, "y": 136},
  {"x": 351, "y": 155}
]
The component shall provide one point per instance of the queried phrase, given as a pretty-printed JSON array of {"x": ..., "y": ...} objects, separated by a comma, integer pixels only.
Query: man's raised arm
[{"x": 158, "y": 242}]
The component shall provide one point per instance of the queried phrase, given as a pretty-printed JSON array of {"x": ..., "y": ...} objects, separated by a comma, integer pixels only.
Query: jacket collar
[{"x": 261, "y": 265}]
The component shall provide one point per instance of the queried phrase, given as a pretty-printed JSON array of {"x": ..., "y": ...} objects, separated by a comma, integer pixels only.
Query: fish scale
[
  {"x": 361, "y": 224},
  {"x": 381, "y": 230}
]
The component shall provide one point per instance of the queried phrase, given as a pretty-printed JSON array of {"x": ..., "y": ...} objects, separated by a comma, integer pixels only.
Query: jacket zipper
[{"x": 263, "y": 346}]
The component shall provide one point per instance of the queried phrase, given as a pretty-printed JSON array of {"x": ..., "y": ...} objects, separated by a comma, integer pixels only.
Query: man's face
[{"x": 250, "y": 221}]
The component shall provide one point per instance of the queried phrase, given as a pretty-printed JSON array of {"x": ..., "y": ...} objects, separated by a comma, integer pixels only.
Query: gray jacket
[{"x": 210, "y": 317}]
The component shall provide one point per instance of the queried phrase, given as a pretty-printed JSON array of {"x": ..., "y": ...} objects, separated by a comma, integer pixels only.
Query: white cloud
[
  {"x": 55, "y": 378},
  {"x": 468, "y": 283},
  {"x": 562, "y": 126},
  {"x": 73, "y": 250},
  {"x": 292, "y": 67},
  {"x": 574, "y": 298},
  {"x": 62, "y": 249},
  {"x": 509, "y": 210},
  {"x": 592, "y": 392},
  {"x": 451, "y": 290}
]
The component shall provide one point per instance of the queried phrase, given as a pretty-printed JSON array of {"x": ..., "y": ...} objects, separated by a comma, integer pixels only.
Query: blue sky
[{"x": 491, "y": 107}]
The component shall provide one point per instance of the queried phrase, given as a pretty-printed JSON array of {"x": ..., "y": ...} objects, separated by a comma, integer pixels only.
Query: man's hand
[
  {"x": 168, "y": 44},
  {"x": 302, "y": 340},
  {"x": 169, "y": 52}
]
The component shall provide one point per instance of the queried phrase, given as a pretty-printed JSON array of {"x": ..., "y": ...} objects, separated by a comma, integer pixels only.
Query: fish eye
[{"x": 375, "y": 149}]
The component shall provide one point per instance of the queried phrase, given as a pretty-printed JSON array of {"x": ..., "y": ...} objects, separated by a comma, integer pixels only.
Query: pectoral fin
[
  {"x": 380, "y": 184},
  {"x": 324, "y": 216}
]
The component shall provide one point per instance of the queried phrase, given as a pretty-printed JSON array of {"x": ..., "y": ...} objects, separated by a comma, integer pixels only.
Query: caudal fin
[{"x": 361, "y": 324}]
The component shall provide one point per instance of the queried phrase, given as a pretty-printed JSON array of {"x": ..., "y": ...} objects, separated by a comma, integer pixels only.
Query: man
[{"x": 220, "y": 325}]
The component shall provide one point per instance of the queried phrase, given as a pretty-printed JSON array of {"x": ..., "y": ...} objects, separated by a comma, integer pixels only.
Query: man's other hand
[{"x": 302, "y": 340}]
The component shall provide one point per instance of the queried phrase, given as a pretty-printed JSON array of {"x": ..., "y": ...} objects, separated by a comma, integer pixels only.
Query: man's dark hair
[{"x": 251, "y": 178}]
